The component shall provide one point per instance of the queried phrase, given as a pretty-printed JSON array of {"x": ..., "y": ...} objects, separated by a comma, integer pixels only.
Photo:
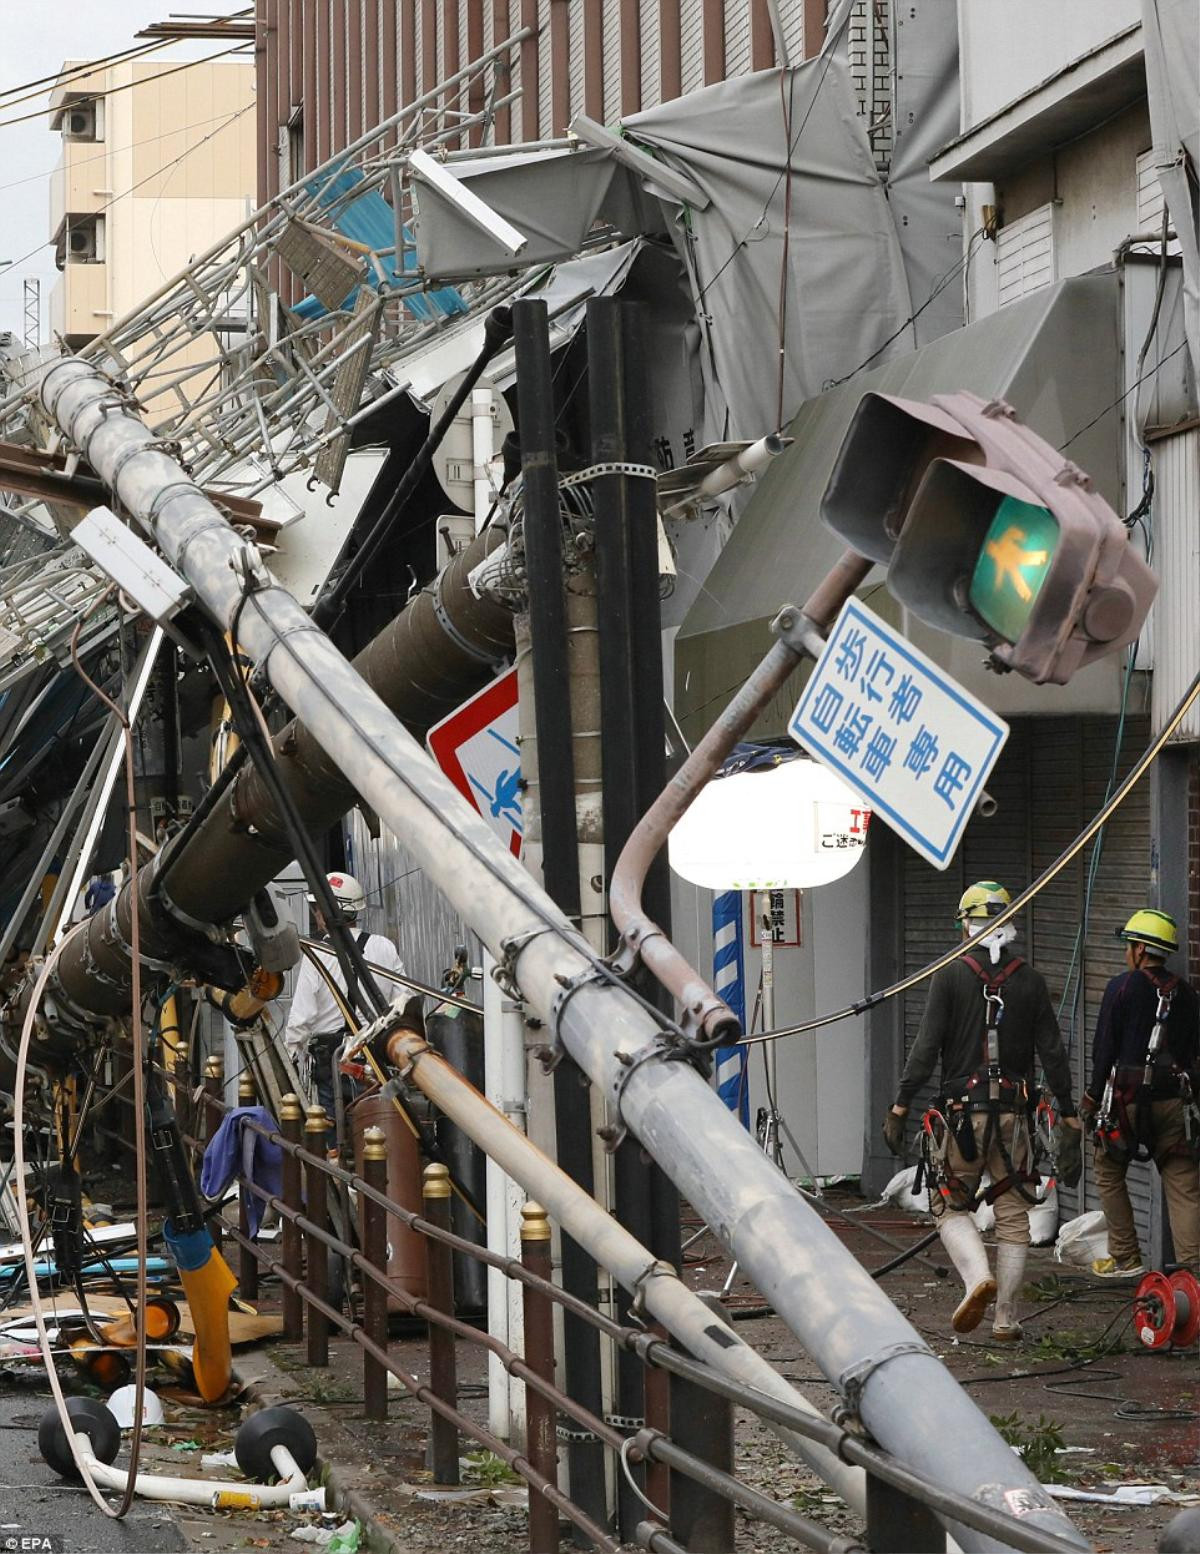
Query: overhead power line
[
  {"x": 134, "y": 145},
  {"x": 11, "y": 269},
  {"x": 85, "y": 67},
  {"x": 190, "y": 64}
]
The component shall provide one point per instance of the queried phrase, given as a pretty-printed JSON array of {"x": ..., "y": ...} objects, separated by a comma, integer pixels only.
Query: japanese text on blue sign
[{"x": 900, "y": 730}]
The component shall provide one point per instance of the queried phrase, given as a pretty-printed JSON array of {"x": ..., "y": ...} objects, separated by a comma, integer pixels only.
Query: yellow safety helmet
[
  {"x": 983, "y": 899},
  {"x": 1155, "y": 929}
]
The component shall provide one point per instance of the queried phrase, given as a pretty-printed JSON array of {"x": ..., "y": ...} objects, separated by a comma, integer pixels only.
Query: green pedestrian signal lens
[{"x": 1013, "y": 564}]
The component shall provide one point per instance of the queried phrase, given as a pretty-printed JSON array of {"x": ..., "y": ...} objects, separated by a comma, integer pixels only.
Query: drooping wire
[
  {"x": 247, "y": 718},
  {"x": 1018, "y": 904}
]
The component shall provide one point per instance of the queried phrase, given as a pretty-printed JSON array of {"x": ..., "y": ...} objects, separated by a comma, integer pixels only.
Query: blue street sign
[{"x": 893, "y": 725}]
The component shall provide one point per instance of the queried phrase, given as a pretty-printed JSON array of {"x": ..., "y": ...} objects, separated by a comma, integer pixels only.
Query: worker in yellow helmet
[
  {"x": 987, "y": 1022},
  {"x": 1142, "y": 1099}
]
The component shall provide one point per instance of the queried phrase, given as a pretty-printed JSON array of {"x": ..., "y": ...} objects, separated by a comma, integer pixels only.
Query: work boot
[
  {"x": 1010, "y": 1270},
  {"x": 1130, "y": 1267},
  {"x": 965, "y": 1248}
]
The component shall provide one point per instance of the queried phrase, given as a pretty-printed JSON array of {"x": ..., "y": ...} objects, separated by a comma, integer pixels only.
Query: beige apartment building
[{"x": 157, "y": 163}]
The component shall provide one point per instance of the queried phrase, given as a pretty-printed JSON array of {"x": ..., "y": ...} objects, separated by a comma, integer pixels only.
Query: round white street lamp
[{"x": 795, "y": 825}]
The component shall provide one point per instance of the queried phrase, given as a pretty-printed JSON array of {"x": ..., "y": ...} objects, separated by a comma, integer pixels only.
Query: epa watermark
[{"x": 13, "y": 1540}]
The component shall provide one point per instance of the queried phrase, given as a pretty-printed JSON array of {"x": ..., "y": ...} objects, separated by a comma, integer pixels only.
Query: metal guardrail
[{"x": 903, "y": 1506}]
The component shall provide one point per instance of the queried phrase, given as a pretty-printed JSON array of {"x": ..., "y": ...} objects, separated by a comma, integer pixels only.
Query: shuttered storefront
[{"x": 1051, "y": 779}]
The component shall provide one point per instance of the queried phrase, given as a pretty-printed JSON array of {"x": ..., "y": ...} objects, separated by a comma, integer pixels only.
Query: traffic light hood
[{"x": 988, "y": 532}]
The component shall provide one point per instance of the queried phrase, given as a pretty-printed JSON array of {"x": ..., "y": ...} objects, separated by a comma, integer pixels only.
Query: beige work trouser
[
  {"x": 1181, "y": 1187},
  {"x": 1011, "y": 1209}
]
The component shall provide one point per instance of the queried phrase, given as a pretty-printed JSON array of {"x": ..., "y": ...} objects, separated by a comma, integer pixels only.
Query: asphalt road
[{"x": 34, "y": 1500}]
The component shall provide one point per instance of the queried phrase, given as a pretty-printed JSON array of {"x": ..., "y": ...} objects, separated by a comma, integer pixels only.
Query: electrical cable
[
  {"x": 434, "y": 1152},
  {"x": 84, "y": 68},
  {"x": 247, "y": 717},
  {"x": 828, "y": 49},
  {"x": 139, "y": 1087},
  {"x": 403, "y": 980},
  {"x": 601, "y": 968},
  {"x": 31, "y": 1013},
  {"x": 1120, "y": 400},
  {"x": 24, "y": 118},
  {"x": 16, "y": 264},
  {"x": 1018, "y": 904}
]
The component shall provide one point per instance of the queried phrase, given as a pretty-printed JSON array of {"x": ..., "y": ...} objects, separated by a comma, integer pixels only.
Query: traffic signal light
[{"x": 988, "y": 532}]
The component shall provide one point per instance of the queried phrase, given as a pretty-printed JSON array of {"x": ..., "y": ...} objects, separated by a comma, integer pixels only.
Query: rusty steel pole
[
  {"x": 443, "y": 1360},
  {"x": 316, "y": 1197},
  {"x": 541, "y": 1441},
  {"x": 291, "y": 1125},
  {"x": 375, "y": 1250}
]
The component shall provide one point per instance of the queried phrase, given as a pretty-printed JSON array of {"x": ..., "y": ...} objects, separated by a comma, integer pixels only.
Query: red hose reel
[{"x": 1166, "y": 1310}]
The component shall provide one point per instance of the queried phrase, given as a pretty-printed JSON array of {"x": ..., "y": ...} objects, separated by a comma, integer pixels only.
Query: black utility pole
[
  {"x": 633, "y": 737},
  {"x": 560, "y": 844}
]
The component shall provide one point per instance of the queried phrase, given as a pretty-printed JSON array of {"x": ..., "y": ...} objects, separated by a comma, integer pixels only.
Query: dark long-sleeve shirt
[
  {"x": 1126, "y": 1020},
  {"x": 954, "y": 1030}
]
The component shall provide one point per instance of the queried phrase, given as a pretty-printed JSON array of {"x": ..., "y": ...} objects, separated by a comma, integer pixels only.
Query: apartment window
[
  {"x": 291, "y": 149},
  {"x": 1025, "y": 255}
]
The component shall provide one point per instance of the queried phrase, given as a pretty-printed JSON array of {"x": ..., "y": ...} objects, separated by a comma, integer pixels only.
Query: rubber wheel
[
  {"x": 274, "y": 1427},
  {"x": 86, "y": 1414}
]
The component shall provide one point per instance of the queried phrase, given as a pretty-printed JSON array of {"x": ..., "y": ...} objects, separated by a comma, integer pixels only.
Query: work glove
[
  {"x": 1068, "y": 1152},
  {"x": 1088, "y": 1107},
  {"x": 893, "y": 1132}
]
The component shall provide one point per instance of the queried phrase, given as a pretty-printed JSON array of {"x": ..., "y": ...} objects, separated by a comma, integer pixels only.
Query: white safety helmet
[{"x": 347, "y": 892}]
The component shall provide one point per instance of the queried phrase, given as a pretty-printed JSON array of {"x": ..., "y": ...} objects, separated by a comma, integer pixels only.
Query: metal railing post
[
  {"x": 291, "y": 1125},
  {"x": 541, "y": 1441},
  {"x": 374, "y": 1219},
  {"x": 247, "y": 1261},
  {"x": 658, "y": 1417},
  {"x": 702, "y": 1519},
  {"x": 443, "y": 1361},
  {"x": 899, "y": 1524},
  {"x": 316, "y": 1198},
  {"x": 214, "y": 1083}
]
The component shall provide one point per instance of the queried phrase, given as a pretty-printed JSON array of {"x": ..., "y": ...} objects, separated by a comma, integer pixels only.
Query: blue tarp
[{"x": 369, "y": 219}]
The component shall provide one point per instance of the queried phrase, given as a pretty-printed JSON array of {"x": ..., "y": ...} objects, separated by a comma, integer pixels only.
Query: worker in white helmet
[
  {"x": 316, "y": 1027},
  {"x": 988, "y": 1021}
]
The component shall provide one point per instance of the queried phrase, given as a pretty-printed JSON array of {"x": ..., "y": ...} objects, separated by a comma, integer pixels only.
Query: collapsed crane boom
[{"x": 886, "y": 1373}]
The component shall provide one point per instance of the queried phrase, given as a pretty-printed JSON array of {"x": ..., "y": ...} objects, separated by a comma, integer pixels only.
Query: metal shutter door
[{"x": 1122, "y": 884}]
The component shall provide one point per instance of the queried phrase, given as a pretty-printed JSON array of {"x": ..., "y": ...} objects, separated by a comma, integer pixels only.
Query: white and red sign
[{"x": 476, "y": 746}]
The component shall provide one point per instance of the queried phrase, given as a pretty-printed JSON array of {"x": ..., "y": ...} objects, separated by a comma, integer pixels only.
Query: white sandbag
[
  {"x": 1082, "y": 1240},
  {"x": 1043, "y": 1216},
  {"x": 899, "y": 1192}
]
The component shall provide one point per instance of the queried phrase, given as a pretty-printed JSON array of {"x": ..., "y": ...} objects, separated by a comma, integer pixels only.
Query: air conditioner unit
[
  {"x": 79, "y": 122},
  {"x": 81, "y": 242}
]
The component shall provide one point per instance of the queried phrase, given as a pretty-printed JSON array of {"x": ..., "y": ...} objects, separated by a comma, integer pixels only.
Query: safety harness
[
  {"x": 1124, "y": 1136},
  {"x": 951, "y": 1116}
]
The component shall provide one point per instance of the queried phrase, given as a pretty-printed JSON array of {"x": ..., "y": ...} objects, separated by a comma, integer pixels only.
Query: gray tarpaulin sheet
[
  {"x": 553, "y": 197},
  {"x": 846, "y": 291},
  {"x": 829, "y": 289},
  {"x": 1172, "y": 42},
  {"x": 925, "y": 116}
]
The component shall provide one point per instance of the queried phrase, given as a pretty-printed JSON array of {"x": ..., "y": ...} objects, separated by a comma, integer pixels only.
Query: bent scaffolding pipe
[
  {"x": 656, "y": 1285},
  {"x": 703, "y": 1011},
  {"x": 885, "y": 1371}
]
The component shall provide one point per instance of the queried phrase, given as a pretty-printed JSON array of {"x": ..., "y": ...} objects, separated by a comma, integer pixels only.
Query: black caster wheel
[
  {"x": 274, "y": 1427},
  {"x": 96, "y": 1421}
]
